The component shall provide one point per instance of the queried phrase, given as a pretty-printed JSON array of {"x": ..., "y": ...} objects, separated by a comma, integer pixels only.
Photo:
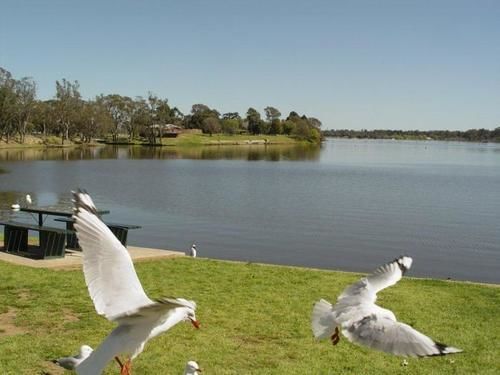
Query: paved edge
[{"x": 73, "y": 259}]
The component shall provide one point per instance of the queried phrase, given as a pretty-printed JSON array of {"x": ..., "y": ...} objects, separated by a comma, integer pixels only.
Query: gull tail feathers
[{"x": 322, "y": 321}]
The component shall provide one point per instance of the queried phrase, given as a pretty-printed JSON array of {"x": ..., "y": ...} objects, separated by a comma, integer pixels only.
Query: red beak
[{"x": 195, "y": 323}]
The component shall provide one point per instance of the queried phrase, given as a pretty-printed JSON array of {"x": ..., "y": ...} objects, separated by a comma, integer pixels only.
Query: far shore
[{"x": 182, "y": 140}]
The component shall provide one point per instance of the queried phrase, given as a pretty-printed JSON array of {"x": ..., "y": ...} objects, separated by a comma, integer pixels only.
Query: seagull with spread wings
[
  {"x": 365, "y": 323},
  {"x": 117, "y": 293}
]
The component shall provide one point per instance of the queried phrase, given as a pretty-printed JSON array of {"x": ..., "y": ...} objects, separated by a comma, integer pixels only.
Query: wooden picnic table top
[
  {"x": 41, "y": 211},
  {"x": 54, "y": 212},
  {"x": 128, "y": 226}
]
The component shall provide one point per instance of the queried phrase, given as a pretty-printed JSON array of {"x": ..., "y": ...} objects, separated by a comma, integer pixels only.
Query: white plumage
[
  {"x": 69, "y": 363},
  {"x": 192, "y": 251},
  {"x": 28, "y": 199},
  {"x": 117, "y": 293},
  {"x": 365, "y": 323},
  {"x": 192, "y": 368}
]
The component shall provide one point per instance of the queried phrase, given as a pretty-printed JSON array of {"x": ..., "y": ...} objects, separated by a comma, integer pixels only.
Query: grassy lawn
[
  {"x": 205, "y": 139},
  {"x": 255, "y": 320}
]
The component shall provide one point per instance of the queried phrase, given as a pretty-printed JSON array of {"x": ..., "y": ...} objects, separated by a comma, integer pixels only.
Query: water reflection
[{"x": 250, "y": 153}]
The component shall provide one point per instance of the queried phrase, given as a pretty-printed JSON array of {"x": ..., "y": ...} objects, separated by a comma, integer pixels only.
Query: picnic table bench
[
  {"x": 51, "y": 240},
  {"x": 119, "y": 230}
]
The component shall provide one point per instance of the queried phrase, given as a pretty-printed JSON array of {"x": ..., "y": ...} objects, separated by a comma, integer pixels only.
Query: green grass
[
  {"x": 205, "y": 139},
  {"x": 255, "y": 320}
]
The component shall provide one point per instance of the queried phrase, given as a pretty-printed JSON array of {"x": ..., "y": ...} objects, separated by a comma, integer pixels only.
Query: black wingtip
[
  {"x": 402, "y": 266},
  {"x": 80, "y": 203}
]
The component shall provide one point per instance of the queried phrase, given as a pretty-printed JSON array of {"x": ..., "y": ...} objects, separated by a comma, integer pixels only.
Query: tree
[
  {"x": 25, "y": 90},
  {"x": 67, "y": 103},
  {"x": 160, "y": 114},
  {"x": 211, "y": 125},
  {"x": 44, "y": 116},
  {"x": 119, "y": 108},
  {"x": 7, "y": 104},
  {"x": 253, "y": 119},
  {"x": 199, "y": 112},
  {"x": 276, "y": 127},
  {"x": 272, "y": 113},
  {"x": 230, "y": 125},
  {"x": 231, "y": 116}
]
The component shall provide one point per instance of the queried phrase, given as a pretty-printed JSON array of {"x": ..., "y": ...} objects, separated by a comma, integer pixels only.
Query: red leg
[
  {"x": 335, "y": 337},
  {"x": 126, "y": 368}
]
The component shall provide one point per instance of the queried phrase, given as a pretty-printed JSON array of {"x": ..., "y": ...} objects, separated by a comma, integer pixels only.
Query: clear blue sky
[{"x": 352, "y": 64}]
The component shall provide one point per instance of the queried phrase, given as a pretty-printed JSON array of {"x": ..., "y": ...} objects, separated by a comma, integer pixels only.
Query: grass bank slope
[{"x": 255, "y": 320}]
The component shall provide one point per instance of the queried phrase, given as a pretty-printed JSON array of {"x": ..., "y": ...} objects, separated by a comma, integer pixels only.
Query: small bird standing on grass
[
  {"x": 69, "y": 363},
  {"x": 28, "y": 199},
  {"x": 192, "y": 251},
  {"x": 365, "y": 323}
]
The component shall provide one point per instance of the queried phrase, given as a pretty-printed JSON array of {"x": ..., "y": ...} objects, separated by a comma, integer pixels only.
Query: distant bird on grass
[
  {"x": 15, "y": 207},
  {"x": 69, "y": 363},
  {"x": 118, "y": 295},
  {"x": 28, "y": 199},
  {"x": 192, "y": 251},
  {"x": 192, "y": 368},
  {"x": 365, "y": 323}
]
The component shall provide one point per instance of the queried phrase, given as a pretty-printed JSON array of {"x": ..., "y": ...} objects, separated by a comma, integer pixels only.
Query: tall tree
[
  {"x": 119, "y": 108},
  {"x": 25, "y": 89},
  {"x": 67, "y": 104},
  {"x": 7, "y": 104},
  {"x": 272, "y": 113},
  {"x": 253, "y": 119}
]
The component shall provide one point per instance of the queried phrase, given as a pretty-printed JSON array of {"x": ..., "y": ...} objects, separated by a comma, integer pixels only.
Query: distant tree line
[
  {"x": 69, "y": 117},
  {"x": 471, "y": 135}
]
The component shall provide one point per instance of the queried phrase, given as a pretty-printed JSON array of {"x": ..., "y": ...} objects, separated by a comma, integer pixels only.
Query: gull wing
[
  {"x": 108, "y": 269},
  {"x": 366, "y": 289},
  {"x": 155, "y": 311},
  {"x": 322, "y": 319},
  {"x": 390, "y": 336}
]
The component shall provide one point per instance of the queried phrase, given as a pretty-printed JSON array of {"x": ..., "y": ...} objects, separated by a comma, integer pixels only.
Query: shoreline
[
  {"x": 73, "y": 259},
  {"x": 183, "y": 140}
]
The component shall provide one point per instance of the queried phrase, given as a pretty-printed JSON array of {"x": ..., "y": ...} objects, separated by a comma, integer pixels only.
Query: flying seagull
[
  {"x": 117, "y": 293},
  {"x": 365, "y": 323},
  {"x": 69, "y": 363},
  {"x": 192, "y": 368}
]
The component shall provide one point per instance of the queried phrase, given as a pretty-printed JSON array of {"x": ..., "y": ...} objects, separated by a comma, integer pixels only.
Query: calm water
[{"x": 350, "y": 205}]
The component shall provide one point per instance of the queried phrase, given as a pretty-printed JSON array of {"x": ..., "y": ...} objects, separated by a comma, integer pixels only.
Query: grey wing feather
[
  {"x": 149, "y": 312},
  {"x": 394, "y": 337},
  {"x": 69, "y": 363}
]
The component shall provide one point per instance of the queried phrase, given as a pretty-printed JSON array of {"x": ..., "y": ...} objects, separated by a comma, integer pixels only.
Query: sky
[{"x": 352, "y": 64}]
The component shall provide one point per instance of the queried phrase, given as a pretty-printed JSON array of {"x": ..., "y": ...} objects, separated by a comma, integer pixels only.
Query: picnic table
[
  {"x": 51, "y": 240},
  {"x": 119, "y": 230},
  {"x": 45, "y": 212}
]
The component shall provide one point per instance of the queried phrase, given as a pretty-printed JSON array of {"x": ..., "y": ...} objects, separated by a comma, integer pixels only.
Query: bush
[{"x": 51, "y": 140}]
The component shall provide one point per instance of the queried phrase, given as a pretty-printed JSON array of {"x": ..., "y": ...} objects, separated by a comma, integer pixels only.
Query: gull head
[
  {"x": 192, "y": 368},
  {"x": 191, "y": 316},
  {"x": 85, "y": 350},
  {"x": 404, "y": 263}
]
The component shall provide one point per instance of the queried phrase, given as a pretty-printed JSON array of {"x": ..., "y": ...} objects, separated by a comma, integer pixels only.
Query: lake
[{"x": 349, "y": 205}]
